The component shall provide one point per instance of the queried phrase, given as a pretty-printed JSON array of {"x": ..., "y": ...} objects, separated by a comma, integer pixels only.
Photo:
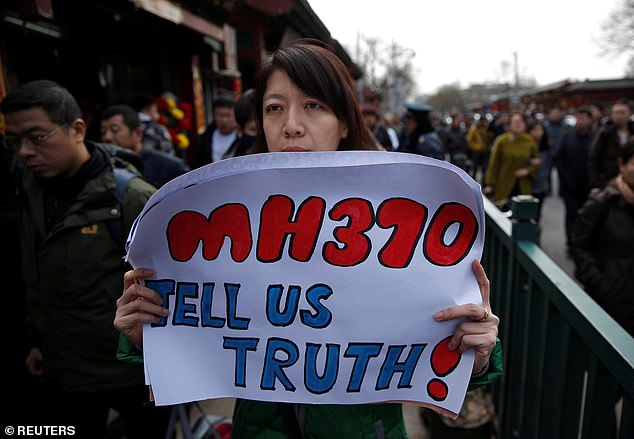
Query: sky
[{"x": 467, "y": 41}]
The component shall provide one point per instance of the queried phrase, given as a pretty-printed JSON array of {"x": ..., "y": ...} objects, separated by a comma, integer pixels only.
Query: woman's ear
[{"x": 344, "y": 133}]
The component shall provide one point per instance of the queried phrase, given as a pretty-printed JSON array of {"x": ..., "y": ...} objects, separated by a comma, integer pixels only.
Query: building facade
[{"x": 107, "y": 52}]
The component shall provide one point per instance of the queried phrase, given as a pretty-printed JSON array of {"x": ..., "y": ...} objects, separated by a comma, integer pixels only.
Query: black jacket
[
  {"x": 204, "y": 147},
  {"x": 571, "y": 160},
  {"x": 202, "y": 154},
  {"x": 159, "y": 167},
  {"x": 602, "y": 246},
  {"x": 604, "y": 155}
]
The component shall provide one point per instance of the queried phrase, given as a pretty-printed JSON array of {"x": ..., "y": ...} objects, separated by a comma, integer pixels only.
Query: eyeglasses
[{"x": 13, "y": 143}]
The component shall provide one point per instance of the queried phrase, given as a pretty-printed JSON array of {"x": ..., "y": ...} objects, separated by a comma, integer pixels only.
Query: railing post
[{"x": 525, "y": 209}]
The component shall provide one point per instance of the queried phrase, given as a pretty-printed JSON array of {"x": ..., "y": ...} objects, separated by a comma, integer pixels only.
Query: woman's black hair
[
  {"x": 320, "y": 74},
  {"x": 544, "y": 143},
  {"x": 244, "y": 107}
]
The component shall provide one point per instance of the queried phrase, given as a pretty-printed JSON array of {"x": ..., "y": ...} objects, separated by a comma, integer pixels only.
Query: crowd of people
[
  {"x": 73, "y": 200},
  {"x": 516, "y": 153}
]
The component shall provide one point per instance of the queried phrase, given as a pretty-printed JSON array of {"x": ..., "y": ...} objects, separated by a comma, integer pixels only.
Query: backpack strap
[{"x": 122, "y": 178}]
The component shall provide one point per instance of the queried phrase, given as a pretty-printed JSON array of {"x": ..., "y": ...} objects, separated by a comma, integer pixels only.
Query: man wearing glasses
[{"x": 71, "y": 265}]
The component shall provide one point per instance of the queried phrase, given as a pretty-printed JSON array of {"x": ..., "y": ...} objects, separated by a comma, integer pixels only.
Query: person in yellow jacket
[
  {"x": 514, "y": 160},
  {"x": 479, "y": 138}
]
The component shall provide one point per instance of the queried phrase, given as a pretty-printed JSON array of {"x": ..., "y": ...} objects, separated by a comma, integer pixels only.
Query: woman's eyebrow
[{"x": 273, "y": 96}]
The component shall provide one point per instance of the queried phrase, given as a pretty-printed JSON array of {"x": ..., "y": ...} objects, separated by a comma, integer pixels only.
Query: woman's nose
[{"x": 294, "y": 126}]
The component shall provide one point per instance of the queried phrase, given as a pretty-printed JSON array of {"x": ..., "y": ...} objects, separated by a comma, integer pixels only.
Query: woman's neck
[{"x": 514, "y": 136}]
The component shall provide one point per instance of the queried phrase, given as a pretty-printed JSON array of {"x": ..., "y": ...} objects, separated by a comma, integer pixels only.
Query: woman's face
[
  {"x": 537, "y": 132},
  {"x": 294, "y": 121},
  {"x": 516, "y": 124}
]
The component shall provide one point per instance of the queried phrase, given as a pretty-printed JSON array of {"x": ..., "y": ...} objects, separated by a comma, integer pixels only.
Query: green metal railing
[{"x": 569, "y": 367}]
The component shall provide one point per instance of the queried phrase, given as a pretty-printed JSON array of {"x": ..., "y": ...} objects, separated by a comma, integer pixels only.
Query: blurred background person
[
  {"x": 555, "y": 125},
  {"x": 499, "y": 124},
  {"x": 155, "y": 135},
  {"x": 602, "y": 243},
  {"x": 247, "y": 126},
  {"x": 571, "y": 161},
  {"x": 120, "y": 125},
  {"x": 373, "y": 122},
  {"x": 455, "y": 139},
  {"x": 603, "y": 161},
  {"x": 512, "y": 164},
  {"x": 217, "y": 138},
  {"x": 419, "y": 136},
  {"x": 479, "y": 139},
  {"x": 393, "y": 127},
  {"x": 541, "y": 181},
  {"x": 597, "y": 116}
]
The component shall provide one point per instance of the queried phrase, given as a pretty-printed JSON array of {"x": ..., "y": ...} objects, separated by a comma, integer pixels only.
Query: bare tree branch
[{"x": 617, "y": 31}]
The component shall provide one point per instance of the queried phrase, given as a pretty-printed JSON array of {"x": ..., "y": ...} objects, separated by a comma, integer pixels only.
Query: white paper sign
[{"x": 311, "y": 278}]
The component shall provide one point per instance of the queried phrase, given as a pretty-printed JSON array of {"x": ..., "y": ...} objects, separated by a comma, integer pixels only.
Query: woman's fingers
[
  {"x": 140, "y": 305},
  {"x": 483, "y": 283},
  {"x": 137, "y": 306},
  {"x": 131, "y": 321},
  {"x": 480, "y": 336},
  {"x": 480, "y": 331},
  {"x": 137, "y": 291},
  {"x": 133, "y": 276},
  {"x": 483, "y": 345},
  {"x": 471, "y": 311},
  {"x": 462, "y": 336}
]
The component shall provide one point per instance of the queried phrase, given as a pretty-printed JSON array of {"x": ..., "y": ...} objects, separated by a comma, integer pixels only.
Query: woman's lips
[{"x": 294, "y": 149}]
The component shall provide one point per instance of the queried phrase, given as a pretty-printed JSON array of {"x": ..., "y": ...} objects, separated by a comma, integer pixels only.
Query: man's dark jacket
[
  {"x": 202, "y": 153},
  {"x": 159, "y": 167},
  {"x": 73, "y": 270}
]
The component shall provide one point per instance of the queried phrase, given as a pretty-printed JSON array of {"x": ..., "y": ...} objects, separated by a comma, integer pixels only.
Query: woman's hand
[
  {"x": 479, "y": 333},
  {"x": 521, "y": 173},
  {"x": 535, "y": 161},
  {"x": 137, "y": 305}
]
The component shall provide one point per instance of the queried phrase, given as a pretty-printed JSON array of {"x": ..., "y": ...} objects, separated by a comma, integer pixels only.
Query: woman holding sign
[{"x": 306, "y": 102}]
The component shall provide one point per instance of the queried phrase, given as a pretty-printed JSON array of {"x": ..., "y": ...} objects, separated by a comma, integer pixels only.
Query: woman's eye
[
  {"x": 272, "y": 108},
  {"x": 313, "y": 105}
]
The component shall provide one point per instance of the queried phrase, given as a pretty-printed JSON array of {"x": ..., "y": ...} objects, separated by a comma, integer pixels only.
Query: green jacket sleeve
[
  {"x": 495, "y": 369},
  {"x": 128, "y": 352}
]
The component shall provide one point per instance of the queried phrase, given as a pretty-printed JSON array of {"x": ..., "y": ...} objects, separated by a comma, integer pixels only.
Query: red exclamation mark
[{"x": 443, "y": 362}]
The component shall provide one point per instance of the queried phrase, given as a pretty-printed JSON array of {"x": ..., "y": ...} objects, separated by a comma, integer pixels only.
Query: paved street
[{"x": 553, "y": 240}]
